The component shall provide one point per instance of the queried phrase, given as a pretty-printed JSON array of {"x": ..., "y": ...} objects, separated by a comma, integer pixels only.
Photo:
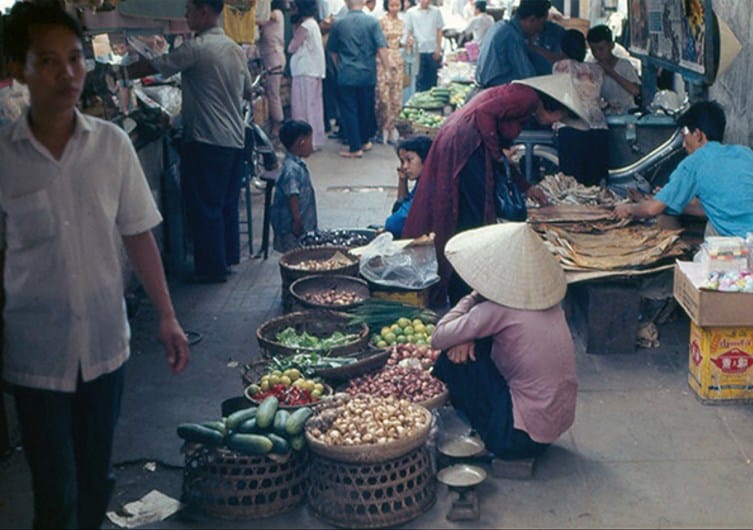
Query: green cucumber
[
  {"x": 250, "y": 444},
  {"x": 218, "y": 426},
  {"x": 281, "y": 420},
  {"x": 296, "y": 421},
  {"x": 265, "y": 414},
  {"x": 247, "y": 427},
  {"x": 239, "y": 416},
  {"x": 280, "y": 445},
  {"x": 297, "y": 442},
  {"x": 193, "y": 432}
]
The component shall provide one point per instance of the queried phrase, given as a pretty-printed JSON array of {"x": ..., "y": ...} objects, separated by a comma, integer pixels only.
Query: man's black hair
[
  {"x": 706, "y": 116},
  {"x": 600, "y": 33},
  {"x": 419, "y": 144},
  {"x": 279, "y": 4},
  {"x": 214, "y": 5},
  {"x": 306, "y": 8},
  {"x": 480, "y": 5},
  {"x": 533, "y": 8},
  {"x": 573, "y": 45},
  {"x": 292, "y": 130},
  {"x": 23, "y": 15}
]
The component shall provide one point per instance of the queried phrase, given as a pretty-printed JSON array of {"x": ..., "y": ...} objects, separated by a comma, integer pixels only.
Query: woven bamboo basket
[
  {"x": 431, "y": 132},
  {"x": 319, "y": 283},
  {"x": 376, "y": 495},
  {"x": 371, "y": 453},
  {"x": 226, "y": 484},
  {"x": 289, "y": 270},
  {"x": 316, "y": 322}
]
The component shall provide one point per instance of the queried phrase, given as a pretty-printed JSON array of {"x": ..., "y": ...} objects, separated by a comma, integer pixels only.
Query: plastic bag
[{"x": 407, "y": 267}]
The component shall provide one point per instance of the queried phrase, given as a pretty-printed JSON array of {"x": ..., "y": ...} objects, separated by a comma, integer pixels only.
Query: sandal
[{"x": 351, "y": 154}]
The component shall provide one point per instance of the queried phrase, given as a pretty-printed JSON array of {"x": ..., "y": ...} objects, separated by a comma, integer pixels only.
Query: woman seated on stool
[
  {"x": 508, "y": 357},
  {"x": 411, "y": 153}
]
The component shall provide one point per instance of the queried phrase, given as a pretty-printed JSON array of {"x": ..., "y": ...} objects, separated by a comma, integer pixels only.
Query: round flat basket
[
  {"x": 370, "y": 453},
  {"x": 306, "y": 290},
  {"x": 226, "y": 484},
  {"x": 346, "y": 237},
  {"x": 293, "y": 266},
  {"x": 377, "y": 495},
  {"x": 435, "y": 402},
  {"x": 367, "y": 361},
  {"x": 328, "y": 391},
  {"x": 320, "y": 323}
]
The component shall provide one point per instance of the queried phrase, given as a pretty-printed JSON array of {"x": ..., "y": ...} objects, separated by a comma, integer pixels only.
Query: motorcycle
[{"x": 644, "y": 147}]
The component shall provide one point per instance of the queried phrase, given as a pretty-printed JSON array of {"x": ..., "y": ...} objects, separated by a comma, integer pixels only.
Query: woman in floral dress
[{"x": 389, "y": 88}]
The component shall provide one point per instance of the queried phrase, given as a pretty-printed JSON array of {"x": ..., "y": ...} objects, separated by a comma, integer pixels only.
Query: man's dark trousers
[{"x": 357, "y": 114}]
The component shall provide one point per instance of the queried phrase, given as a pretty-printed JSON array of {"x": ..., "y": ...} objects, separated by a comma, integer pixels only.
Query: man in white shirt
[
  {"x": 480, "y": 22},
  {"x": 423, "y": 26},
  {"x": 71, "y": 193}
]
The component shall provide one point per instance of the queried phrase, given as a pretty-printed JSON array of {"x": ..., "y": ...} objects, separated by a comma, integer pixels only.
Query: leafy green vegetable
[
  {"x": 308, "y": 363},
  {"x": 305, "y": 341}
]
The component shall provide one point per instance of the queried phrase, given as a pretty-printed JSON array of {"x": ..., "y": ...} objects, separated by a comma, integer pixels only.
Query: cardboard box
[
  {"x": 709, "y": 308},
  {"x": 720, "y": 367}
]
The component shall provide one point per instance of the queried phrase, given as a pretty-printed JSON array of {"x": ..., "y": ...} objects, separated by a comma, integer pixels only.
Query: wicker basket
[
  {"x": 431, "y": 132},
  {"x": 226, "y": 484},
  {"x": 316, "y": 322},
  {"x": 435, "y": 402},
  {"x": 371, "y": 453},
  {"x": 328, "y": 391},
  {"x": 289, "y": 273},
  {"x": 368, "y": 361},
  {"x": 376, "y": 495},
  {"x": 321, "y": 283}
]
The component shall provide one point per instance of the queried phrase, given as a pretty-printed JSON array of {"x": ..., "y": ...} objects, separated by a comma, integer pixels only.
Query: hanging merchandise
[{"x": 240, "y": 22}]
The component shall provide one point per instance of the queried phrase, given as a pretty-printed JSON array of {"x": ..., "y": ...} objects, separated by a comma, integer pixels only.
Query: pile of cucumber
[
  {"x": 254, "y": 431},
  {"x": 435, "y": 98}
]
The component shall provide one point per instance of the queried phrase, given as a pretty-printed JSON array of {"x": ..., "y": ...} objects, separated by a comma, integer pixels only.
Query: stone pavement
[{"x": 643, "y": 453}]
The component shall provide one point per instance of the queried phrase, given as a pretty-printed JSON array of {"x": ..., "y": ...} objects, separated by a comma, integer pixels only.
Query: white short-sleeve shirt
[{"x": 61, "y": 223}]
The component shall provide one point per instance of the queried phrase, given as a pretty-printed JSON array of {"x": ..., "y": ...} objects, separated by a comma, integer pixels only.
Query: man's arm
[
  {"x": 146, "y": 262},
  {"x": 295, "y": 211},
  {"x": 140, "y": 68},
  {"x": 643, "y": 209},
  {"x": 633, "y": 88},
  {"x": 384, "y": 58}
]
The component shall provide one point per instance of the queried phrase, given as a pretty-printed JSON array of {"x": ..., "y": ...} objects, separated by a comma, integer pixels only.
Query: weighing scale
[{"x": 462, "y": 478}]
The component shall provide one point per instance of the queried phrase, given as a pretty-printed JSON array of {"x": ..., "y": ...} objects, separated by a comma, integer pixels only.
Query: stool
[{"x": 269, "y": 178}]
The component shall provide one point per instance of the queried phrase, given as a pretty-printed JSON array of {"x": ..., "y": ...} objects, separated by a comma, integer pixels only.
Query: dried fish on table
[
  {"x": 622, "y": 248},
  {"x": 567, "y": 213},
  {"x": 563, "y": 189}
]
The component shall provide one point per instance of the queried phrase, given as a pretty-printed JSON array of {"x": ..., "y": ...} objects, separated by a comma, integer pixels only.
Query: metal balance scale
[{"x": 462, "y": 478}]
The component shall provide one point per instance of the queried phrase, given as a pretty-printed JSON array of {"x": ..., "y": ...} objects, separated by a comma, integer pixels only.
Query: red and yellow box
[{"x": 721, "y": 363}]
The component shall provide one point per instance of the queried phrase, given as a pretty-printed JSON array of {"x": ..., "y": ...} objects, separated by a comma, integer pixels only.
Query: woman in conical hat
[
  {"x": 456, "y": 189},
  {"x": 508, "y": 358}
]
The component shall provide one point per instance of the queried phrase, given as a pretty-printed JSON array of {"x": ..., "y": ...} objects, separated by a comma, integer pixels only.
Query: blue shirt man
[
  {"x": 354, "y": 43},
  {"x": 719, "y": 176}
]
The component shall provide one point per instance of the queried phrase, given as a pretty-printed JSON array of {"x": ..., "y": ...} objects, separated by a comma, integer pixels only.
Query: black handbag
[{"x": 509, "y": 201}]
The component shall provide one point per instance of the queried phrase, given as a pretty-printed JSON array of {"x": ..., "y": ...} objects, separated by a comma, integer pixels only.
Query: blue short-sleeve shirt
[{"x": 721, "y": 176}]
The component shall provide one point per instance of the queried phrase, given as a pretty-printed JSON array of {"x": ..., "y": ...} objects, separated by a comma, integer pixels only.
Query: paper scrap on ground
[{"x": 152, "y": 507}]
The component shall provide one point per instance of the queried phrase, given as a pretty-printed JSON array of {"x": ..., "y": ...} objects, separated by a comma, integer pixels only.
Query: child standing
[
  {"x": 294, "y": 203},
  {"x": 412, "y": 153}
]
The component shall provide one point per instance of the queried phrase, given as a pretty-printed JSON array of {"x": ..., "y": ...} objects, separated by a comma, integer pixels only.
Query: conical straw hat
[
  {"x": 729, "y": 47},
  {"x": 561, "y": 88},
  {"x": 508, "y": 264}
]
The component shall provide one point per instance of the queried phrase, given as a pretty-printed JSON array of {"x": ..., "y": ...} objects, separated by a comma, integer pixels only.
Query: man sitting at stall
[
  {"x": 719, "y": 176},
  {"x": 508, "y": 357}
]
